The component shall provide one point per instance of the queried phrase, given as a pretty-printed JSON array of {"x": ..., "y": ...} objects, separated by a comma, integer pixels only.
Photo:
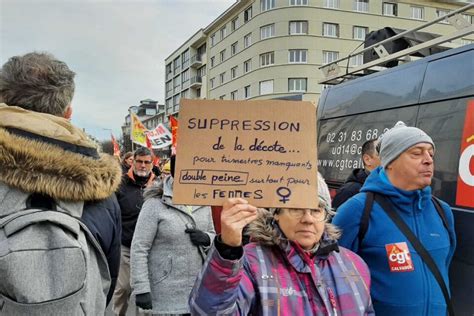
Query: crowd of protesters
[{"x": 77, "y": 226}]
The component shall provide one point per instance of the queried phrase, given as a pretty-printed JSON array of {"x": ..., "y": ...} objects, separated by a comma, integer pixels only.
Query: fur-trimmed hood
[
  {"x": 264, "y": 231},
  {"x": 46, "y": 154}
]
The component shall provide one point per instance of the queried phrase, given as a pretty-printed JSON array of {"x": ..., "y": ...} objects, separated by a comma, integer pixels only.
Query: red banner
[
  {"x": 116, "y": 146},
  {"x": 174, "y": 133},
  {"x": 465, "y": 185}
]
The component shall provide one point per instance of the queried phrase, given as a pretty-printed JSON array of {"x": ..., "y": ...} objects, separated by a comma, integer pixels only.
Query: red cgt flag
[
  {"x": 174, "y": 134},
  {"x": 116, "y": 146}
]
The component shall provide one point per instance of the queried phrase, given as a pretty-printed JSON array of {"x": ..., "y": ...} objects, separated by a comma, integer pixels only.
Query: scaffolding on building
[{"x": 335, "y": 74}]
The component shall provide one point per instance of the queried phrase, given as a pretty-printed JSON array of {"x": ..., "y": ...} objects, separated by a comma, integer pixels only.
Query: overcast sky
[{"x": 116, "y": 47}]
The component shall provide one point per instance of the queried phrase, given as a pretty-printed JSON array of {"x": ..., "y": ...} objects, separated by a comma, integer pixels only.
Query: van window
[
  {"x": 454, "y": 82},
  {"x": 340, "y": 140}
]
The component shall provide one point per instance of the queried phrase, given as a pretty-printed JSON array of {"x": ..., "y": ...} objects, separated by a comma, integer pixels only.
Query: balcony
[
  {"x": 195, "y": 82},
  {"x": 196, "y": 61}
]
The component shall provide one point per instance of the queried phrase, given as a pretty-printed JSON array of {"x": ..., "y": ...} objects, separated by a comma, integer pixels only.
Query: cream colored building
[{"x": 264, "y": 49}]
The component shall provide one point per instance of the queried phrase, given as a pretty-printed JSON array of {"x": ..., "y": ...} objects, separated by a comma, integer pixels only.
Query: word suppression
[{"x": 242, "y": 125}]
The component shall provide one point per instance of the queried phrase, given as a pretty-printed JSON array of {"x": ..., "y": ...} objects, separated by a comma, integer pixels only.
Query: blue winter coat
[{"x": 400, "y": 293}]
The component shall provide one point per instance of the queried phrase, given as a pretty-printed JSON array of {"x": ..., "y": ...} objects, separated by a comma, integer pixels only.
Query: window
[
  {"x": 331, "y": 4},
  {"x": 356, "y": 60},
  {"x": 185, "y": 59},
  {"x": 247, "y": 66},
  {"x": 247, "y": 14},
  {"x": 176, "y": 99},
  {"x": 233, "y": 72},
  {"x": 213, "y": 61},
  {"x": 465, "y": 41},
  {"x": 389, "y": 9},
  {"x": 222, "y": 78},
  {"x": 266, "y": 5},
  {"x": 169, "y": 71},
  {"x": 330, "y": 29},
  {"x": 201, "y": 49},
  {"x": 222, "y": 55},
  {"x": 185, "y": 94},
  {"x": 198, "y": 92},
  {"x": 267, "y": 59},
  {"x": 359, "y": 32},
  {"x": 169, "y": 105},
  {"x": 247, "y": 40},
  {"x": 222, "y": 97},
  {"x": 212, "y": 82},
  {"x": 247, "y": 92},
  {"x": 233, "y": 48},
  {"x": 441, "y": 13},
  {"x": 177, "y": 65},
  {"x": 223, "y": 32},
  {"x": 361, "y": 5},
  {"x": 233, "y": 95},
  {"x": 298, "y": 27},
  {"x": 297, "y": 55},
  {"x": 213, "y": 39},
  {"x": 417, "y": 13},
  {"x": 298, "y": 2},
  {"x": 169, "y": 88},
  {"x": 185, "y": 76},
  {"x": 267, "y": 31},
  {"x": 234, "y": 24},
  {"x": 266, "y": 87},
  {"x": 467, "y": 17},
  {"x": 176, "y": 84},
  {"x": 329, "y": 57},
  {"x": 297, "y": 84},
  {"x": 201, "y": 71}
]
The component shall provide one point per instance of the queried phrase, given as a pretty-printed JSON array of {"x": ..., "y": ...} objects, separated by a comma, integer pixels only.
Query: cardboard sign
[{"x": 262, "y": 151}]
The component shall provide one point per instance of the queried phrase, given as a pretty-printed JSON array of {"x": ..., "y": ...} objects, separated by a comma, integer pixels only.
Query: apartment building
[{"x": 263, "y": 49}]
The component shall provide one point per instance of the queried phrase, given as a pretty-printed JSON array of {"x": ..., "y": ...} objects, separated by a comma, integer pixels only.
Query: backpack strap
[
  {"x": 420, "y": 249},
  {"x": 364, "y": 220},
  {"x": 440, "y": 210}
]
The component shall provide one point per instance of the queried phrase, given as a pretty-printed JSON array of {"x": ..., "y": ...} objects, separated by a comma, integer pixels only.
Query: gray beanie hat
[{"x": 398, "y": 139}]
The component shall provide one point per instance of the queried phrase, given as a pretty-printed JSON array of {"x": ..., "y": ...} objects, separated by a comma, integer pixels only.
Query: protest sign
[
  {"x": 160, "y": 137},
  {"x": 262, "y": 151},
  {"x": 137, "y": 134}
]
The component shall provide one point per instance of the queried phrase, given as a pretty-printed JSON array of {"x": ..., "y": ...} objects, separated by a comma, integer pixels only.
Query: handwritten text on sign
[{"x": 263, "y": 151}]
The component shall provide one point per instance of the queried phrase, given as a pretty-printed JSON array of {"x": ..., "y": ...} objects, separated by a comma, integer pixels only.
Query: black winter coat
[
  {"x": 350, "y": 188},
  {"x": 103, "y": 220},
  {"x": 130, "y": 199}
]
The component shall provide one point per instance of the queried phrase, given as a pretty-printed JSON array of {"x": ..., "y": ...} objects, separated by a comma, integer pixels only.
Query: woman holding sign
[
  {"x": 168, "y": 249},
  {"x": 293, "y": 266}
]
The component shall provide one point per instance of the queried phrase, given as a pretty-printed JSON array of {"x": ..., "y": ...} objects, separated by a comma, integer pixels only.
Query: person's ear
[
  {"x": 68, "y": 113},
  {"x": 367, "y": 159}
]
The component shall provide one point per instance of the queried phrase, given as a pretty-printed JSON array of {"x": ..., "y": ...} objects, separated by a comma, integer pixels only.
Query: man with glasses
[{"x": 130, "y": 198}]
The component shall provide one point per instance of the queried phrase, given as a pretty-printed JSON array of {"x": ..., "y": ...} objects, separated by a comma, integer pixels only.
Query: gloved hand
[
  {"x": 143, "y": 301},
  {"x": 198, "y": 237}
]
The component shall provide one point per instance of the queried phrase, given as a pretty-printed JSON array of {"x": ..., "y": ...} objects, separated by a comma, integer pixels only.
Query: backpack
[{"x": 50, "y": 263}]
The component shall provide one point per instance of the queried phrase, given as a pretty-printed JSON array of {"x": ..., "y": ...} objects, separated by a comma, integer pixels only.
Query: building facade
[{"x": 263, "y": 49}]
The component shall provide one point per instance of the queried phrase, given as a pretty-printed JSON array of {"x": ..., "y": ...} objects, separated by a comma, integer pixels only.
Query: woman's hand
[{"x": 236, "y": 214}]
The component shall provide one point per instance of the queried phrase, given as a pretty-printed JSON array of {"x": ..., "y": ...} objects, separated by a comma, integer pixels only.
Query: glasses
[
  {"x": 146, "y": 162},
  {"x": 318, "y": 214}
]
